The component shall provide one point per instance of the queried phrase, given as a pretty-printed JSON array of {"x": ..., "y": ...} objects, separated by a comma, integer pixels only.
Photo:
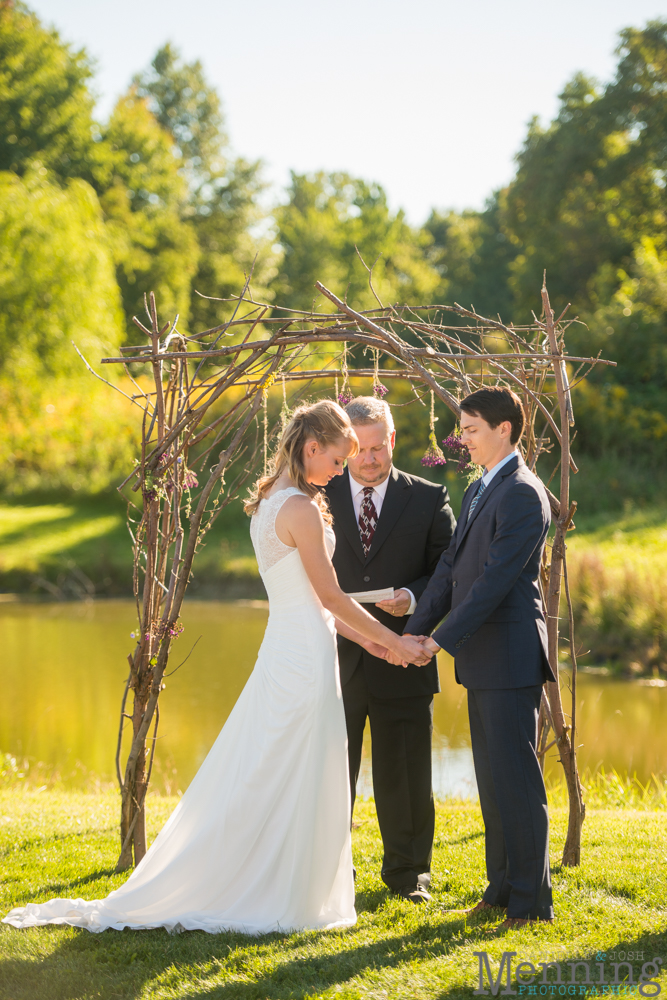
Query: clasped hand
[{"x": 417, "y": 649}]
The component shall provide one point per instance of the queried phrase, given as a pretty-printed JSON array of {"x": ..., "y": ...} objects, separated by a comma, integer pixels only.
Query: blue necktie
[{"x": 475, "y": 499}]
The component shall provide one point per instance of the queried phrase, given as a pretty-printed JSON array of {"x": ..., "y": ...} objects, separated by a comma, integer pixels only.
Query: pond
[{"x": 63, "y": 669}]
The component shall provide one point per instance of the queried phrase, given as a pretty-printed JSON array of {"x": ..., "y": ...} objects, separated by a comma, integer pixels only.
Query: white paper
[{"x": 373, "y": 596}]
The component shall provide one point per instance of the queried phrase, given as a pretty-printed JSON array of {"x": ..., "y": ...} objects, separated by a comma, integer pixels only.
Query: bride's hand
[{"x": 375, "y": 649}]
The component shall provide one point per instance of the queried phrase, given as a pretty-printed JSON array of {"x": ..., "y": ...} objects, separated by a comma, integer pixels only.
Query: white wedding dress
[{"x": 260, "y": 841}]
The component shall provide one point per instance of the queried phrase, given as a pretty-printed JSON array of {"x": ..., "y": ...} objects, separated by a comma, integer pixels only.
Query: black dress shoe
[{"x": 415, "y": 893}]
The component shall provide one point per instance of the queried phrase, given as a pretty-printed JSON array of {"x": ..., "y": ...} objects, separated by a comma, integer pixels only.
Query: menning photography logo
[{"x": 598, "y": 977}]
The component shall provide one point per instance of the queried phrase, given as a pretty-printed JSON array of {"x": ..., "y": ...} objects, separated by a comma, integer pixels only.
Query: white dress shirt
[
  {"x": 488, "y": 476},
  {"x": 379, "y": 493}
]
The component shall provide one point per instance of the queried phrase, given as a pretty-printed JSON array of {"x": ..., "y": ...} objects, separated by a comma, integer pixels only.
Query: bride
[{"x": 260, "y": 841}]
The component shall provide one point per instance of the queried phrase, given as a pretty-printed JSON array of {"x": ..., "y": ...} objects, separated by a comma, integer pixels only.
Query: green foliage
[
  {"x": 45, "y": 104},
  {"x": 589, "y": 204},
  {"x": 61, "y": 435},
  {"x": 188, "y": 108},
  {"x": 222, "y": 206},
  {"x": 57, "y": 280},
  {"x": 144, "y": 198},
  {"x": 66, "y": 843},
  {"x": 472, "y": 254},
  {"x": 326, "y": 219}
]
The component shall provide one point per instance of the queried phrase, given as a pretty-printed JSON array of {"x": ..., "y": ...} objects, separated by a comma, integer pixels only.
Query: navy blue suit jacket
[{"x": 486, "y": 584}]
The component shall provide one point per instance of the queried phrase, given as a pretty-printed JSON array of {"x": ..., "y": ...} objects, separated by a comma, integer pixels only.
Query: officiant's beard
[{"x": 373, "y": 476}]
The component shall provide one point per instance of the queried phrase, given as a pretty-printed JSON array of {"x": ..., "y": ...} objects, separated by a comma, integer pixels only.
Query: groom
[
  {"x": 496, "y": 632},
  {"x": 391, "y": 529}
]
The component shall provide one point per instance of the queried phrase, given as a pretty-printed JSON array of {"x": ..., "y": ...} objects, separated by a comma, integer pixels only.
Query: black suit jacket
[
  {"x": 415, "y": 526},
  {"x": 487, "y": 580}
]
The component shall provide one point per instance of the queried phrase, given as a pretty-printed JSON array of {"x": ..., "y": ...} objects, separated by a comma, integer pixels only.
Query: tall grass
[{"x": 619, "y": 591}]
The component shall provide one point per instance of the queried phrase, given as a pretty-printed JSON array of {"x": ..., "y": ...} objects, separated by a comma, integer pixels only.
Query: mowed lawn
[{"x": 59, "y": 843}]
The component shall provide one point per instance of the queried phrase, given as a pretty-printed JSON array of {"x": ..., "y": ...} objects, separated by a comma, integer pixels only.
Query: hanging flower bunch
[
  {"x": 459, "y": 451},
  {"x": 379, "y": 390},
  {"x": 345, "y": 395},
  {"x": 190, "y": 480},
  {"x": 433, "y": 454}
]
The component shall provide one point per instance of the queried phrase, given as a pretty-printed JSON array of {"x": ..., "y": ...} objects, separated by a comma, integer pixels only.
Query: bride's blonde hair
[{"x": 325, "y": 422}]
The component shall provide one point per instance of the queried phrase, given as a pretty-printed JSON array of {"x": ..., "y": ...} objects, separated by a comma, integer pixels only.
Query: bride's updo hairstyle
[{"x": 325, "y": 422}]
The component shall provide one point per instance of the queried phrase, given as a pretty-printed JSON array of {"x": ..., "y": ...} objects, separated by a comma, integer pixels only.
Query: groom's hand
[
  {"x": 428, "y": 643},
  {"x": 397, "y": 605}
]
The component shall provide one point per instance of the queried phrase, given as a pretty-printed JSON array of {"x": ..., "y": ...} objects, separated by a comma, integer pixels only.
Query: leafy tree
[
  {"x": 472, "y": 253},
  {"x": 222, "y": 205},
  {"x": 326, "y": 219},
  {"x": 189, "y": 109},
  {"x": 57, "y": 282},
  {"x": 144, "y": 198},
  {"x": 46, "y": 107}
]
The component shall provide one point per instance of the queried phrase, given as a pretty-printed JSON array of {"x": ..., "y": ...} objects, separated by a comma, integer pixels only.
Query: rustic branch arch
[{"x": 204, "y": 400}]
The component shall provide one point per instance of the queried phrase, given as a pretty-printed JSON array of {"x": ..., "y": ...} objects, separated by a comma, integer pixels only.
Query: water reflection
[{"x": 63, "y": 667}]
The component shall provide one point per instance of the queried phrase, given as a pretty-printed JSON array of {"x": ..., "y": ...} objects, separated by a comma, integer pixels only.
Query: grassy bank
[
  {"x": 66, "y": 844},
  {"x": 71, "y": 548}
]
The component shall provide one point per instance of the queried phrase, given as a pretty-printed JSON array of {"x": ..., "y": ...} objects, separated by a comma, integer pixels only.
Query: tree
[
  {"x": 46, "y": 108},
  {"x": 326, "y": 219},
  {"x": 222, "y": 204},
  {"x": 57, "y": 279},
  {"x": 144, "y": 196},
  {"x": 472, "y": 253}
]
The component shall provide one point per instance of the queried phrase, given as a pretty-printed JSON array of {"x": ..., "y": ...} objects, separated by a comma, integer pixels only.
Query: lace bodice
[{"x": 268, "y": 547}]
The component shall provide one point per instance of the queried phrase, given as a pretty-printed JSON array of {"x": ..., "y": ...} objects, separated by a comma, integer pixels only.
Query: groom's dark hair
[{"x": 496, "y": 405}]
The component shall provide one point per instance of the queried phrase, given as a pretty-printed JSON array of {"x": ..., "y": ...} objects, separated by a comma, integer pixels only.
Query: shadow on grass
[
  {"x": 137, "y": 958},
  {"x": 199, "y": 966},
  {"x": 465, "y": 838},
  {"x": 122, "y": 964}
]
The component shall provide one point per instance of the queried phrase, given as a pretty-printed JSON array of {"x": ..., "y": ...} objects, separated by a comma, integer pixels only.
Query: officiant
[{"x": 391, "y": 528}]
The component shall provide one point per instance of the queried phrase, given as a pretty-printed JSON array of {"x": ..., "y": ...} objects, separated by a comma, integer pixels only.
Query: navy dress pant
[
  {"x": 503, "y": 729},
  {"x": 401, "y": 730}
]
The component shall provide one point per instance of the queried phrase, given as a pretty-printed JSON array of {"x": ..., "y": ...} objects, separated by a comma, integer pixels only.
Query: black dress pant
[
  {"x": 503, "y": 730},
  {"x": 401, "y": 730}
]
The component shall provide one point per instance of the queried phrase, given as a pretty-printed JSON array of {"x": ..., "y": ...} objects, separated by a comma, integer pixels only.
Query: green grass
[
  {"x": 66, "y": 844},
  {"x": 79, "y": 547}
]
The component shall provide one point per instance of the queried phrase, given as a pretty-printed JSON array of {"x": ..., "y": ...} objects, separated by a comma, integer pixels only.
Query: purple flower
[
  {"x": 190, "y": 480},
  {"x": 454, "y": 444},
  {"x": 345, "y": 397},
  {"x": 433, "y": 454},
  {"x": 133, "y": 635},
  {"x": 379, "y": 390},
  {"x": 431, "y": 459},
  {"x": 150, "y": 495}
]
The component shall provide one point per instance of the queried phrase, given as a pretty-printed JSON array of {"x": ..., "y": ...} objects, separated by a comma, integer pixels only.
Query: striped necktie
[{"x": 475, "y": 499}]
